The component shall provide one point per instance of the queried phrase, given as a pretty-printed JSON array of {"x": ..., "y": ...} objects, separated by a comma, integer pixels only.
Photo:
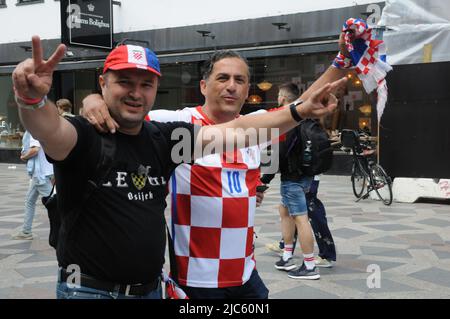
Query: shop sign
[{"x": 87, "y": 23}]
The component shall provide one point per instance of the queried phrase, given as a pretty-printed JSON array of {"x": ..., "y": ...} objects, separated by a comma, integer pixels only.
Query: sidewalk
[{"x": 410, "y": 243}]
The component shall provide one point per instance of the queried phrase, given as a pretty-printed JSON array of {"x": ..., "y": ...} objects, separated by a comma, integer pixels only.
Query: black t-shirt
[{"x": 120, "y": 232}]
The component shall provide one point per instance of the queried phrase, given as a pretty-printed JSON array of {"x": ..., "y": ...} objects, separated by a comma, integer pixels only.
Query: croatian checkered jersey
[{"x": 213, "y": 208}]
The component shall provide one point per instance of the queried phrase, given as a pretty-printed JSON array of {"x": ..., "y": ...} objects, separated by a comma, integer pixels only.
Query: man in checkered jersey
[{"x": 214, "y": 199}]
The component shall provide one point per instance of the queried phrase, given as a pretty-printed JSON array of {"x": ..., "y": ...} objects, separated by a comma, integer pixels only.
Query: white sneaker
[
  {"x": 323, "y": 263},
  {"x": 23, "y": 236}
]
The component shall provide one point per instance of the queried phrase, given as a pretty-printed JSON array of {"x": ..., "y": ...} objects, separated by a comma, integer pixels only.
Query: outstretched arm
[
  {"x": 32, "y": 81},
  {"x": 245, "y": 130}
]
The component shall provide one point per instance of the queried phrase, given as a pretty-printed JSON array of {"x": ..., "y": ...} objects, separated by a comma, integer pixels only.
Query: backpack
[
  {"x": 319, "y": 152},
  {"x": 61, "y": 228}
]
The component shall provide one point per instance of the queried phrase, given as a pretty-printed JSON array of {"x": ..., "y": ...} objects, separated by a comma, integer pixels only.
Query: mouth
[
  {"x": 132, "y": 104},
  {"x": 230, "y": 98}
]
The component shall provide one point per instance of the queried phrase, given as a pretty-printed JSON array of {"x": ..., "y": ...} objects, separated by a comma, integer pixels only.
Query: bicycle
[{"x": 366, "y": 173}]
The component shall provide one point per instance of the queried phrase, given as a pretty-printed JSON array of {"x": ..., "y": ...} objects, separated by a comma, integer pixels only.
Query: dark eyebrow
[
  {"x": 239, "y": 76},
  {"x": 222, "y": 74}
]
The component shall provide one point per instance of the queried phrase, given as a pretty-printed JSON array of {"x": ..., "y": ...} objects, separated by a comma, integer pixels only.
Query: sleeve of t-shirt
[
  {"x": 169, "y": 116},
  {"x": 276, "y": 140},
  {"x": 34, "y": 142},
  {"x": 85, "y": 139},
  {"x": 180, "y": 137}
]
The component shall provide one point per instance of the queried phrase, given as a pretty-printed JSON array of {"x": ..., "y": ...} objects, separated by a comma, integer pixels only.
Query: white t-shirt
[{"x": 42, "y": 167}]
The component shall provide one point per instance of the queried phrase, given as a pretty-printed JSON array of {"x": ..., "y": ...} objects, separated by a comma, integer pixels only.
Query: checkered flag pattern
[
  {"x": 367, "y": 58},
  {"x": 213, "y": 212}
]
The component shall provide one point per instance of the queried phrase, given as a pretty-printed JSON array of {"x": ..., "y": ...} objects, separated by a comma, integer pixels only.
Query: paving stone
[
  {"x": 38, "y": 271},
  {"x": 392, "y": 227},
  {"x": 386, "y": 285},
  {"x": 390, "y": 240},
  {"x": 435, "y": 222},
  {"x": 434, "y": 275},
  {"x": 423, "y": 238},
  {"x": 344, "y": 217},
  {"x": 392, "y": 209},
  {"x": 304, "y": 292},
  {"x": 346, "y": 233},
  {"x": 39, "y": 258},
  {"x": 442, "y": 254}
]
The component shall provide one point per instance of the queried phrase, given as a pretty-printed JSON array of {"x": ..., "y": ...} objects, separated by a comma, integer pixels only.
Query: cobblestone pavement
[{"x": 409, "y": 243}]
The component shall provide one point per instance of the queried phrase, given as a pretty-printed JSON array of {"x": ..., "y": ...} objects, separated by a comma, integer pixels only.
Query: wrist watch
[{"x": 293, "y": 109}]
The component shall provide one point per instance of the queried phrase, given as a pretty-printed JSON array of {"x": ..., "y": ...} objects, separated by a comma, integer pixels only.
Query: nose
[
  {"x": 231, "y": 85},
  {"x": 134, "y": 92}
]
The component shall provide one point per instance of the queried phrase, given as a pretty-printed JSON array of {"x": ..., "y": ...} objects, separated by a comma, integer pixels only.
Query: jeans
[
  {"x": 293, "y": 195},
  {"x": 254, "y": 288},
  {"x": 64, "y": 292},
  {"x": 30, "y": 201},
  {"x": 319, "y": 224}
]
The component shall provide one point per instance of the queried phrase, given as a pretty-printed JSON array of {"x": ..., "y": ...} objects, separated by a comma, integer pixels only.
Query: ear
[
  {"x": 102, "y": 81},
  {"x": 248, "y": 91},
  {"x": 203, "y": 87}
]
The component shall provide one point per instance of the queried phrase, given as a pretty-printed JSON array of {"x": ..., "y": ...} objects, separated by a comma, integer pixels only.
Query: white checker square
[
  {"x": 206, "y": 211},
  {"x": 234, "y": 183},
  {"x": 203, "y": 272},
  {"x": 182, "y": 178},
  {"x": 229, "y": 247},
  {"x": 251, "y": 211},
  {"x": 181, "y": 240}
]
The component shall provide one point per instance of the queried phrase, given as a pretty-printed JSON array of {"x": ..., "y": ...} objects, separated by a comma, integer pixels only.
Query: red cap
[{"x": 132, "y": 57}]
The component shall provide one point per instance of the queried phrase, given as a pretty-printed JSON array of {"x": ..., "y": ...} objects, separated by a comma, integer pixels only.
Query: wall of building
[{"x": 136, "y": 15}]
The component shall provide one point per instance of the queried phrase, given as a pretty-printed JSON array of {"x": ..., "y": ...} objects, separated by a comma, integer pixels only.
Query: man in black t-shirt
[{"x": 116, "y": 246}]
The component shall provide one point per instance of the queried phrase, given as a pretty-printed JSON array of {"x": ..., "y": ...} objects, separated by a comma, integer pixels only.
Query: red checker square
[
  {"x": 249, "y": 245},
  {"x": 371, "y": 51},
  {"x": 252, "y": 180},
  {"x": 231, "y": 272},
  {"x": 205, "y": 242},
  {"x": 366, "y": 70},
  {"x": 206, "y": 181},
  {"x": 235, "y": 212},
  {"x": 364, "y": 61},
  {"x": 372, "y": 60},
  {"x": 182, "y": 268},
  {"x": 183, "y": 209}
]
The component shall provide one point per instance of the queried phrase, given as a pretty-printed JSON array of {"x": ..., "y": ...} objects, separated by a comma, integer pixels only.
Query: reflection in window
[
  {"x": 11, "y": 130},
  {"x": 179, "y": 87}
]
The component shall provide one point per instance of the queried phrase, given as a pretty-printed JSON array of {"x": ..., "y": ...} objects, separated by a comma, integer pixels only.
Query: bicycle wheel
[
  {"x": 358, "y": 179},
  {"x": 381, "y": 183}
]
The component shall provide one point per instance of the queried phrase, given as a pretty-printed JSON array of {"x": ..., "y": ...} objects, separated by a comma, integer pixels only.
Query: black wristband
[{"x": 294, "y": 113}]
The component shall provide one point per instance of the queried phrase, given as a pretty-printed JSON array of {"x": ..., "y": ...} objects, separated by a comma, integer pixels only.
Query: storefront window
[
  {"x": 355, "y": 109},
  {"x": 11, "y": 130},
  {"x": 179, "y": 86},
  {"x": 85, "y": 83}
]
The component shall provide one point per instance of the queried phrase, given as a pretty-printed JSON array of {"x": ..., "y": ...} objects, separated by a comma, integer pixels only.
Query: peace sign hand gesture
[{"x": 32, "y": 78}]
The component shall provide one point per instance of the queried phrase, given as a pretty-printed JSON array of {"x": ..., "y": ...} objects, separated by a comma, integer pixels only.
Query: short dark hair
[
  {"x": 220, "y": 55},
  {"x": 64, "y": 104},
  {"x": 291, "y": 89}
]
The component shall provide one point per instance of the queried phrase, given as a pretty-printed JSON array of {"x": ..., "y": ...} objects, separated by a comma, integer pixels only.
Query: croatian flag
[{"x": 367, "y": 57}]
